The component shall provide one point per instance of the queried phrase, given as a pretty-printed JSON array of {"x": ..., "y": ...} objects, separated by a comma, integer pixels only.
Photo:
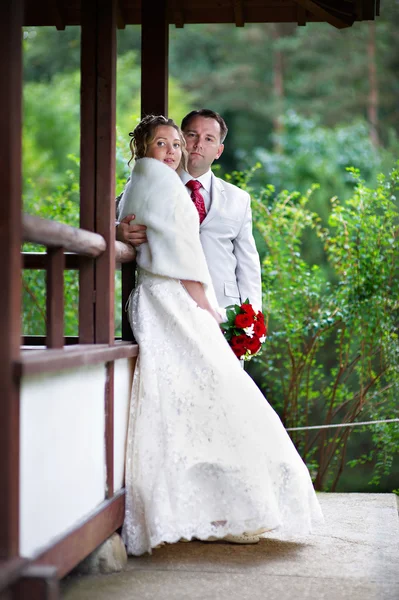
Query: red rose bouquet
[{"x": 245, "y": 330}]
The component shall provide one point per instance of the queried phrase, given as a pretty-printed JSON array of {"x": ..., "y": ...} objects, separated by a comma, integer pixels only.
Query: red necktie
[{"x": 196, "y": 196}]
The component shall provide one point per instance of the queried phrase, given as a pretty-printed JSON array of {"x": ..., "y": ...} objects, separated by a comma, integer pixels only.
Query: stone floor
[{"x": 354, "y": 555}]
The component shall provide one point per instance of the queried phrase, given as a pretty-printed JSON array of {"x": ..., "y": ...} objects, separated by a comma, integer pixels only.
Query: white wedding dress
[{"x": 206, "y": 454}]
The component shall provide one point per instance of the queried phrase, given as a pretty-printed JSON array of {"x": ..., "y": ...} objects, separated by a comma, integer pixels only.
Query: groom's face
[{"x": 202, "y": 136}]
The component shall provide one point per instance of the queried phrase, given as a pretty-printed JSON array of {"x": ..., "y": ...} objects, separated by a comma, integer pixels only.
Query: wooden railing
[
  {"x": 94, "y": 257},
  {"x": 68, "y": 248}
]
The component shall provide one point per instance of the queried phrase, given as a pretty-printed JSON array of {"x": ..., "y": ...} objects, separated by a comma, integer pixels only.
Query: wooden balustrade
[
  {"x": 69, "y": 248},
  {"x": 94, "y": 255},
  {"x": 55, "y": 297},
  {"x": 39, "y": 260}
]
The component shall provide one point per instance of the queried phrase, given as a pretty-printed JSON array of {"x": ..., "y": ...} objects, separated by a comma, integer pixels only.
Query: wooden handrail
[
  {"x": 74, "y": 247},
  {"x": 43, "y": 360},
  {"x": 39, "y": 260},
  {"x": 53, "y": 234},
  {"x": 36, "y": 261}
]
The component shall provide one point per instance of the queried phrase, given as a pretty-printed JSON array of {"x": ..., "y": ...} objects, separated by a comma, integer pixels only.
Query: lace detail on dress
[{"x": 204, "y": 446}]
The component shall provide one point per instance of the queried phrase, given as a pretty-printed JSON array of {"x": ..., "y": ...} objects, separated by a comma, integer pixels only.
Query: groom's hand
[{"x": 131, "y": 234}]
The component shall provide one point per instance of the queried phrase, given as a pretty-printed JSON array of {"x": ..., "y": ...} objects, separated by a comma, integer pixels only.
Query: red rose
[
  {"x": 248, "y": 310},
  {"x": 260, "y": 316},
  {"x": 239, "y": 340},
  {"x": 253, "y": 345},
  {"x": 244, "y": 320},
  {"x": 259, "y": 328},
  {"x": 238, "y": 344}
]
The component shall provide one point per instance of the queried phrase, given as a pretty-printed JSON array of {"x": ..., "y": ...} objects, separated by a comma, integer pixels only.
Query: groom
[{"x": 224, "y": 210}]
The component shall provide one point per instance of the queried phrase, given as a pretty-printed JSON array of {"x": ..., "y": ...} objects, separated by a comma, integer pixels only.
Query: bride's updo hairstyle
[{"x": 144, "y": 134}]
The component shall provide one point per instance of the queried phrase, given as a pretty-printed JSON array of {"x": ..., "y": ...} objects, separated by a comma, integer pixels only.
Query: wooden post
[
  {"x": 88, "y": 112},
  {"x": 98, "y": 125},
  {"x": 154, "y": 57},
  {"x": 105, "y": 169},
  {"x": 11, "y": 19},
  {"x": 96, "y": 305},
  {"x": 55, "y": 298},
  {"x": 38, "y": 582},
  {"x": 154, "y": 97}
]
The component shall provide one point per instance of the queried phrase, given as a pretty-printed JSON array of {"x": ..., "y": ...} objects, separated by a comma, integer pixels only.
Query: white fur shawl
[{"x": 158, "y": 198}]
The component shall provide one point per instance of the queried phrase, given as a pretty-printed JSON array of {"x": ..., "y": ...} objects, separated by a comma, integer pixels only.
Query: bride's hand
[{"x": 216, "y": 316}]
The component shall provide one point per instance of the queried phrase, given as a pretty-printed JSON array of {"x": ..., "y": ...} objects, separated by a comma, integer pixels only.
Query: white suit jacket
[{"x": 229, "y": 246}]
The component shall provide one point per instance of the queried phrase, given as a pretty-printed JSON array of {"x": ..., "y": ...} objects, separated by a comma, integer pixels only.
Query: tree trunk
[
  {"x": 278, "y": 91},
  {"x": 372, "y": 105}
]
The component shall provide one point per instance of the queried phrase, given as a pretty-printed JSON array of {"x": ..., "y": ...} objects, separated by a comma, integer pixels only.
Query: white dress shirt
[
  {"x": 228, "y": 242},
  {"x": 206, "y": 182}
]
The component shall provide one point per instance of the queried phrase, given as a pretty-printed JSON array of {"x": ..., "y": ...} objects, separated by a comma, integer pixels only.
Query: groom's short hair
[{"x": 208, "y": 114}]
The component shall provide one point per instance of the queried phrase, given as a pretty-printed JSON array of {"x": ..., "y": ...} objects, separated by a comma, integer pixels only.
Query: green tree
[
  {"x": 312, "y": 153},
  {"x": 254, "y": 75}
]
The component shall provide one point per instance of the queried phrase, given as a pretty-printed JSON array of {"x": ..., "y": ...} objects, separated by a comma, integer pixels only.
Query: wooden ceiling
[{"x": 339, "y": 13}]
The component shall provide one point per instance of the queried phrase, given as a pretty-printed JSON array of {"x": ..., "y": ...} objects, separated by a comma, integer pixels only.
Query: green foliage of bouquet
[{"x": 245, "y": 330}]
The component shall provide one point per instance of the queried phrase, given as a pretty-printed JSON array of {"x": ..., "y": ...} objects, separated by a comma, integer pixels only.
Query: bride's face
[{"x": 166, "y": 146}]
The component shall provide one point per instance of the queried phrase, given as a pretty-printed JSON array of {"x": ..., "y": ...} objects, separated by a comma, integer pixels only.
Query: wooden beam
[
  {"x": 124, "y": 253},
  {"x": 370, "y": 9},
  {"x": 32, "y": 341},
  {"x": 238, "y": 13},
  {"x": 11, "y": 19},
  {"x": 50, "y": 361},
  {"x": 39, "y": 261},
  {"x": 38, "y": 582},
  {"x": 190, "y": 12},
  {"x": 342, "y": 7},
  {"x": 81, "y": 541},
  {"x": 154, "y": 57},
  {"x": 178, "y": 14},
  {"x": 301, "y": 11},
  {"x": 55, "y": 298},
  {"x": 120, "y": 15},
  {"x": 59, "y": 17},
  {"x": 324, "y": 14}
]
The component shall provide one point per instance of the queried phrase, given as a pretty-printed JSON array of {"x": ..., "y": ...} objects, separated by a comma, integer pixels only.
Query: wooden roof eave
[{"x": 338, "y": 13}]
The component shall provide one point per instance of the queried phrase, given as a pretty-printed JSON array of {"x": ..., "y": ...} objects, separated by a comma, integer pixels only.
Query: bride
[{"x": 207, "y": 457}]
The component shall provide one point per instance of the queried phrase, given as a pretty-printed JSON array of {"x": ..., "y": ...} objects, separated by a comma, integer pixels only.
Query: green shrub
[{"x": 332, "y": 352}]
